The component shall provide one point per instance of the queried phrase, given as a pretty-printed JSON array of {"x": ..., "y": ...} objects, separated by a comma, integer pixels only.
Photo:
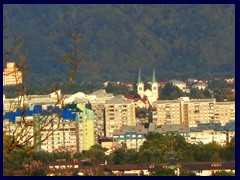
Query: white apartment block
[{"x": 208, "y": 136}]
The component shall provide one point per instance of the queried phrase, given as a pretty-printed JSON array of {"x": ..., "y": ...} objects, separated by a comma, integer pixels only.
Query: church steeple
[
  {"x": 154, "y": 77},
  {"x": 140, "y": 85},
  {"x": 139, "y": 76},
  {"x": 154, "y": 87}
]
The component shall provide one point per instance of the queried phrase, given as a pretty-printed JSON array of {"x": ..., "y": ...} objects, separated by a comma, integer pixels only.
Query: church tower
[
  {"x": 140, "y": 85},
  {"x": 154, "y": 87}
]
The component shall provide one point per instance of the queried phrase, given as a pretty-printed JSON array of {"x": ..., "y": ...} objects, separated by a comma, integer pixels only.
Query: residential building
[
  {"x": 166, "y": 112},
  {"x": 208, "y": 133},
  {"x": 12, "y": 75},
  {"x": 70, "y": 129},
  {"x": 98, "y": 106},
  {"x": 230, "y": 80},
  {"x": 86, "y": 126},
  {"x": 200, "y": 86},
  {"x": 97, "y": 100},
  {"x": 139, "y": 102},
  {"x": 67, "y": 168},
  {"x": 180, "y": 84},
  {"x": 224, "y": 112},
  {"x": 118, "y": 111},
  {"x": 132, "y": 136},
  {"x": 192, "y": 112},
  {"x": 51, "y": 99},
  {"x": 207, "y": 168}
]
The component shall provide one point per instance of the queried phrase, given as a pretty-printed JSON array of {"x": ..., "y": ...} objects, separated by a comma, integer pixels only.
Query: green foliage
[
  {"x": 170, "y": 92},
  {"x": 36, "y": 172},
  {"x": 229, "y": 152},
  {"x": 208, "y": 152},
  {"x": 206, "y": 93},
  {"x": 196, "y": 93},
  {"x": 118, "y": 89},
  {"x": 95, "y": 152},
  {"x": 223, "y": 173},
  {"x": 219, "y": 84},
  {"x": 157, "y": 148},
  {"x": 164, "y": 172},
  {"x": 119, "y": 156},
  {"x": 178, "y": 40},
  {"x": 184, "y": 172}
]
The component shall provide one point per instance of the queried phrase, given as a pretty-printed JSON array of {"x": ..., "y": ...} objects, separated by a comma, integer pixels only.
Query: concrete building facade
[
  {"x": 12, "y": 75},
  {"x": 118, "y": 112},
  {"x": 69, "y": 129},
  {"x": 192, "y": 112}
]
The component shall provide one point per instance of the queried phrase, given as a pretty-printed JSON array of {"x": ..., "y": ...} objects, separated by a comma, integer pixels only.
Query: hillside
[{"x": 179, "y": 41}]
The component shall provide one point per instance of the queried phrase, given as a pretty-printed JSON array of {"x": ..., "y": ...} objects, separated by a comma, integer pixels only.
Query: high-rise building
[
  {"x": 11, "y": 75},
  {"x": 118, "y": 111}
]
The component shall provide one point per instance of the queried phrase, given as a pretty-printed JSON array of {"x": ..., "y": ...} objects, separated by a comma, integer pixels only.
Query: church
[{"x": 152, "y": 95}]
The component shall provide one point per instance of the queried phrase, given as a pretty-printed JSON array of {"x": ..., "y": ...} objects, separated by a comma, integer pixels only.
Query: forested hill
[{"x": 179, "y": 41}]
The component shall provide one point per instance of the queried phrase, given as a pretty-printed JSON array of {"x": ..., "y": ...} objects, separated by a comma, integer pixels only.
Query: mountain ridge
[{"x": 178, "y": 41}]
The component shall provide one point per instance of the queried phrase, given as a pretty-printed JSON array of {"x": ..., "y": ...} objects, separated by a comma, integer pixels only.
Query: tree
[
  {"x": 223, "y": 173},
  {"x": 230, "y": 150},
  {"x": 119, "y": 156},
  {"x": 164, "y": 172},
  {"x": 19, "y": 137},
  {"x": 185, "y": 172},
  {"x": 169, "y": 91},
  {"x": 95, "y": 152},
  {"x": 37, "y": 172},
  {"x": 196, "y": 93},
  {"x": 206, "y": 93}
]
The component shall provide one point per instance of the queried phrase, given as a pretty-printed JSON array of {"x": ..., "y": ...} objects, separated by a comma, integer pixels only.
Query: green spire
[
  {"x": 139, "y": 77},
  {"x": 153, "y": 77}
]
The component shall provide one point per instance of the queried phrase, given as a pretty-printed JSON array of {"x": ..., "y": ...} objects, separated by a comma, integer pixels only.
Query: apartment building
[
  {"x": 132, "y": 136},
  {"x": 224, "y": 112},
  {"x": 166, "y": 112},
  {"x": 99, "y": 111},
  {"x": 51, "y": 99},
  {"x": 192, "y": 112},
  {"x": 97, "y": 100},
  {"x": 98, "y": 106},
  {"x": 118, "y": 112},
  {"x": 12, "y": 75},
  {"x": 70, "y": 129},
  {"x": 207, "y": 133}
]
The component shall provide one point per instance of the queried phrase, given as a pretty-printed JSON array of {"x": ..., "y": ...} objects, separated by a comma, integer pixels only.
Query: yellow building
[
  {"x": 86, "y": 126},
  {"x": 11, "y": 75}
]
